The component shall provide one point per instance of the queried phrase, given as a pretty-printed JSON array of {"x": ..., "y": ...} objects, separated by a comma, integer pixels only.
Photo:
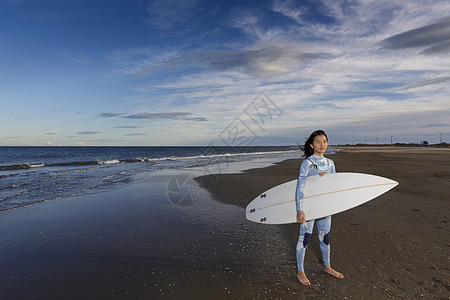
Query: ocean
[{"x": 32, "y": 175}]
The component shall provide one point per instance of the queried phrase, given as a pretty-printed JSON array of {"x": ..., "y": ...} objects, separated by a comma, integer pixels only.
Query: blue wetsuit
[{"x": 313, "y": 165}]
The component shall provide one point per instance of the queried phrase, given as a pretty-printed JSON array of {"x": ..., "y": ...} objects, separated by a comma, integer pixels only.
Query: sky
[{"x": 237, "y": 73}]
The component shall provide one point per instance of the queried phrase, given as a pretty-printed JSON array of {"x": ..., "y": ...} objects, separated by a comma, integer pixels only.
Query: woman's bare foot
[
  {"x": 302, "y": 278},
  {"x": 332, "y": 272}
]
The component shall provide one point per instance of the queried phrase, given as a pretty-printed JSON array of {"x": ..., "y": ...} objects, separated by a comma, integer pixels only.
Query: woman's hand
[
  {"x": 301, "y": 217},
  {"x": 322, "y": 174}
]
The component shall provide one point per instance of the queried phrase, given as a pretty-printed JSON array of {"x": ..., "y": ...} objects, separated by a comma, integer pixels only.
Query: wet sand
[
  {"x": 164, "y": 237},
  {"x": 393, "y": 247},
  {"x": 149, "y": 240}
]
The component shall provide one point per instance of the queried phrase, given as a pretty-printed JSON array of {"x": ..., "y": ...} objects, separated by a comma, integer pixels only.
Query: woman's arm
[{"x": 304, "y": 171}]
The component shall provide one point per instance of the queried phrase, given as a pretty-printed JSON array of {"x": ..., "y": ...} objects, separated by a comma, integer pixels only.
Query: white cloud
[
  {"x": 320, "y": 74},
  {"x": 289, "y": 9}
]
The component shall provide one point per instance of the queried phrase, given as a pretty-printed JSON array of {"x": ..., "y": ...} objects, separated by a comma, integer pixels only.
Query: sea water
[{"x": 31, "y": 175}]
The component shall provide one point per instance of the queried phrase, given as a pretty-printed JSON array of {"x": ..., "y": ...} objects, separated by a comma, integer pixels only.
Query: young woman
[{"x": 313, "y": 164}]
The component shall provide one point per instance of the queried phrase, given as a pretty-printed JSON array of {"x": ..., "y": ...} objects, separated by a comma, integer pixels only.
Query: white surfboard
[{"x": 323, "y": 196}]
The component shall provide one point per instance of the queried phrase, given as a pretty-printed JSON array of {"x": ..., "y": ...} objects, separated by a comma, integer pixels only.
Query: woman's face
[{"x": 320, "y": 144}]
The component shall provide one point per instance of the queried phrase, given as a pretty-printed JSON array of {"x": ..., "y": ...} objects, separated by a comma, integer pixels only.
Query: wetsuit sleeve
[
  {"x": 333, "y": 167},
  {"x": 304, "y": 171}
]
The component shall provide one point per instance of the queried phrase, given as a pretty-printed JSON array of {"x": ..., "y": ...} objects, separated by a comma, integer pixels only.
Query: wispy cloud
[
  {"x": 74, "y": 55},
  {"x": 434, "y": 81},
  {"x": 140, "y": 62},
  {"x": 167, "y": 14},
  {"x": 439, "y": 48},
  {"x": 289, "y": 9},
  {"x": 89, "y": 132},
  {"x": 264, "y": 62},
  {"x": 158, "y": 116},
  {"x": 109, "y": 115},
  {"x": 438, "y": 125},
  {"x": 168, "y": 115},
  {"x": 184, "y": 116},
  {"x": 434, "y": 37},
  {"x": 134, "y": 134},
  {"x": 129, "y": 127}
]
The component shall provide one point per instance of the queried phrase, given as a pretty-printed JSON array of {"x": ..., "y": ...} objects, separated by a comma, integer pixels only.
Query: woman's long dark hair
[{"x": 307, "y": 149}]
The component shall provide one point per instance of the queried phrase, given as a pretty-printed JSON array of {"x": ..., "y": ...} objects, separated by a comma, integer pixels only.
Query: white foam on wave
[
  {"x": 109, "y": 162},
  {"x": 36, "y": 165},
  {"x": 221, "y": 155}
]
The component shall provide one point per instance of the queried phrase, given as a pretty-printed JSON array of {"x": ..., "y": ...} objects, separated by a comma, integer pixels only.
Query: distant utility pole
[
  {"x": 391, "y": 139},
  {"x": 440, "y": 133},
  {"x": 377, "y": 140}
]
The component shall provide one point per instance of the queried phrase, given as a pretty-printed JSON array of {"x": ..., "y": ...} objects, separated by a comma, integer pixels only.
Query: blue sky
[{"x": 141, "y": 72}]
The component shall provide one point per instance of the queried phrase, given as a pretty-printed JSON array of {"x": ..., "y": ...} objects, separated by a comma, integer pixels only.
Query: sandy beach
[
  {"x": 139, "y": 242},
  {"x": 393, "y": 247}
]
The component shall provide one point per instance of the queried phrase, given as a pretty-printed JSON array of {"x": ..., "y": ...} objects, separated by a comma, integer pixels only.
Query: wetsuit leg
[
  {"x": 323, "y": 228},
  {"x": 305, "y": 236}
]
